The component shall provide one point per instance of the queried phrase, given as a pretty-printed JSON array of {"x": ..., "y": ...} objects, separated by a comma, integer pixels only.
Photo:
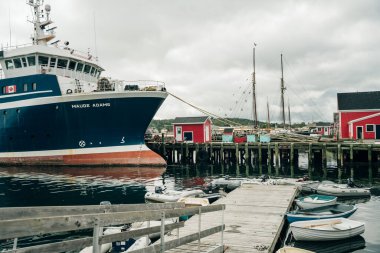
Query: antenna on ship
[
  {"x": 40, "y": 37},
  {"x": 255, "y": 123},
  {"x": 290, "y": 121}
]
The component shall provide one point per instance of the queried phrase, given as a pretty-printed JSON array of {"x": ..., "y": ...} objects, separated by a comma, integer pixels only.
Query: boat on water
[
  {"x": 162, "y": 195},
  {"x": 315, "y": 200},
  {"x": 289, "y": 249},
  {"x": 340, "y": 246},
  {"x": 342, "y": 190},
  {"x": 326, "y": 230},
  {"x": 324, "y": 212},
  {"x": 58, "y": 110}
]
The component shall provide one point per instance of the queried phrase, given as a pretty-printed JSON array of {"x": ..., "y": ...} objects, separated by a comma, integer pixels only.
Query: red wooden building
[
  {"x": 359, "y": 115},
  {"x": 192, "y": 129}
]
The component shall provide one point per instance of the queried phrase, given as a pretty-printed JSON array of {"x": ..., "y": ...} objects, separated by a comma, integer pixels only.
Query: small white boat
[
  {"x": 326, "y": 229},
  {"x": 140, "y": 243},
  {"x": 162, "y": 195},
  {"x": 342, "y": 190},
  {"x": 189, "y": 201},
  {"x": 104, "y": 247},
  {"x": 288, "y": 249},
  {"x": 315, "y": 200}
]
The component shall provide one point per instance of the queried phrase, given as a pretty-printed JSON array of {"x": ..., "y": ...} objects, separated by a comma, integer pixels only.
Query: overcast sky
[{"x": 202, "y": 49}]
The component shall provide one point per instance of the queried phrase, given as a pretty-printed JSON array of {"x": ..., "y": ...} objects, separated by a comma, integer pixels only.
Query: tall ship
[{"x": 56, "y": 109}]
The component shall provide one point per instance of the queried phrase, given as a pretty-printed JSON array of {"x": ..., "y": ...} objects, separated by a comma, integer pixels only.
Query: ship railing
[
  {"x": 7, "y": 48},
  {"x": 140, "y": 85}
]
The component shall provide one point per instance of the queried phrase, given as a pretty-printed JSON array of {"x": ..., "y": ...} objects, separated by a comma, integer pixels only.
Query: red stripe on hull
[{"x": 130, "y": 158}]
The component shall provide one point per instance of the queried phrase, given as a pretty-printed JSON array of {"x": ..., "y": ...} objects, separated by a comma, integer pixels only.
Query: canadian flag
[{"x": 10, "y": 89}]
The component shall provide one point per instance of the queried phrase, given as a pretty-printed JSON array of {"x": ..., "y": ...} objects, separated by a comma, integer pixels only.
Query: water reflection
[{"x": 23, "y": 186}]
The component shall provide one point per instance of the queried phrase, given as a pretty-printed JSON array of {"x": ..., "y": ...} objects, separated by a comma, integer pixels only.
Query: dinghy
[
  {"x": 162, "y": 195},
  {"x": 326, "y": 229},
  {"x": 324, "y": 212},
  {"x": 288, "y": 249},
  {"x": 342, "y": 190},
  {"x": 315, "y": 200}
]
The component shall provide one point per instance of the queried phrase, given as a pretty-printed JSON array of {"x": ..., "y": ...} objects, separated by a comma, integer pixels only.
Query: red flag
[{"x": 10, "y": 89}]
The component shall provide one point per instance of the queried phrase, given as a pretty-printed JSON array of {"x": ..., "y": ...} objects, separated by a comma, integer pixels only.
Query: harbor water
[{"x": 31, "y": 186}]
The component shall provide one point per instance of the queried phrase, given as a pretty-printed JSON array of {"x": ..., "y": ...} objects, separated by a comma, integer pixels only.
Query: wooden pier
[
  {"x": 272, "y": 154},
  {"x": 254, "y": 218}
]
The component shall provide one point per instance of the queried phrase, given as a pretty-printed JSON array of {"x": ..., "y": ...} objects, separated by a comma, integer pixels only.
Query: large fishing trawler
[{"x": 55, "y": 109}]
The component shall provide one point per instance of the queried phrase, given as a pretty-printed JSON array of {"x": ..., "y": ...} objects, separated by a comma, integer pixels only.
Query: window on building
[
  {"x": 80, "y": 67},
  {"x": 62, "y": 63},
  {"x": 4, "y": 90},
  {"x": 9, "y": 64},
  {"x": 31, "y": 60},
  {"x": 25, "y": 87},
  {"x": 23, "y": 59},
  {"x": 53, "y": 61},
  {"x": 370, "y": 128},
  {"x": 17, "y": 62},
  {"x": 72, "y": 65},
  {"x": 34, "y": 86}
]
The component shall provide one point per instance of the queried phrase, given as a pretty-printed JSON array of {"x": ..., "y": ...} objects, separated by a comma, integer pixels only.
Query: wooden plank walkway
[{"x": 254, "y": 218}]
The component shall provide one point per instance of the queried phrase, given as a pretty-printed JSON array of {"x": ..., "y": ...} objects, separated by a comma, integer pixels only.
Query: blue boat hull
[
  {"x": 103, "y": 128},
  {"x": 317, "y": 213}
]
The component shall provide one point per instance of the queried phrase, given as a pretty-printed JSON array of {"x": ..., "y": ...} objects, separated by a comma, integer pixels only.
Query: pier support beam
[
  {"x": 269, "y": 159},
  {"x": 292, "y": 160},
  {"x": 277, "y": 158}
]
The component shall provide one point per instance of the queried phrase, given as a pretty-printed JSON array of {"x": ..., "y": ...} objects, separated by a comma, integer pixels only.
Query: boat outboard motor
[
  {"x": 158, "y": 189},
  {"x": 264, "y": 178},
  {"x": 350, "y": 183}
]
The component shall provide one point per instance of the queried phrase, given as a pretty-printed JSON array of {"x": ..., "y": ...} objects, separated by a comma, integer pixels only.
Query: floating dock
[{"x": 253, "y": 218}]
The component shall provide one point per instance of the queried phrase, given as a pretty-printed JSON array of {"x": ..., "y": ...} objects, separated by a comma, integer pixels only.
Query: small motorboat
[
  {"x": 342, "y": 190},
  {"x": 324, "y": 212},
  {"x": 288, "y": 249},
  {"x": 326, "y": 229},
  {"x": 315, "y": 200},
  {"x": 161, "y": 195}
]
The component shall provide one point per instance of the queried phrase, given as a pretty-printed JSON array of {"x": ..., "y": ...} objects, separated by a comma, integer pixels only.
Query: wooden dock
[{"x": 254, "y": 219}]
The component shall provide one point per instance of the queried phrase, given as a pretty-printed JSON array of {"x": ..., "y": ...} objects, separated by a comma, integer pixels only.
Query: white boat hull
[
  {"x": 171, "y": 196},
  {"x": 326, "y": 230},
  {"x": 341, "y": 190}
]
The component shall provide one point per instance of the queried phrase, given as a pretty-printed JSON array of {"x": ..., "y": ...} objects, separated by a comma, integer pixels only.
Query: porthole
[
  {"x": 5, "y": 112},
  {"x": 18, "y": 110}
]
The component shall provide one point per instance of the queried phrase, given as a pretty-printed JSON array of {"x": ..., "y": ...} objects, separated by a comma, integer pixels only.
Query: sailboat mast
[
  {"x": 255, "y": 123},
  {"x": 290, "y": 121},
  {"x": 282, "y": 94},
  {"x": 268, "y": 115}
]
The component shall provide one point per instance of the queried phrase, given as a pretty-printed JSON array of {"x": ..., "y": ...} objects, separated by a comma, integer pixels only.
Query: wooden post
[
  {"x": 291, "y": 159},
  {"x": 163, "y": 144},
  {"x": 370, "y": 164},
  {"x": 324, "y": 160},
  {"x": 246, "y": 154},
  {"x": 196, "y": 151},
  {"x": 310, "y": 161},
  {"x": 182, "y": 154},
  {"x": 352, "y": 160},
  {"x": 260, "y": 160},
  {"x": 221, "y": 153},
  {"x": 269, "y": 159},
  {"x": 339, "y": 158},
  {"x": 187, "y": 152},
  {"x": 277, "y": 158},
  {"x": 211, "y": 153},
  {"x": 95, "y": 240},
  {"x": 237, "y": 152}
]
